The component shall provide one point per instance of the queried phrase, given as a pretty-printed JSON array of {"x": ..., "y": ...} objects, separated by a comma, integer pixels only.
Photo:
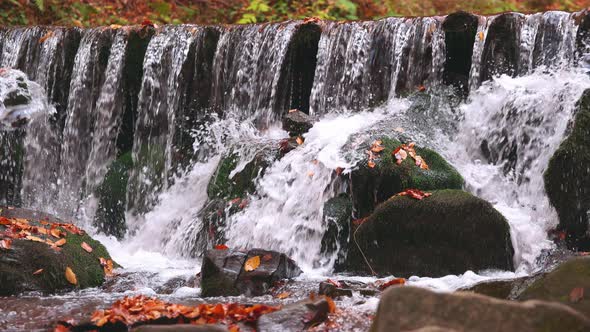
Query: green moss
[
  {"x": 242, "y": 183},
  {"x": 85, "y": 265},
  {"x": 110, "y": 215},
  {"x": 567, "y": 180},
  {"x": 557, "y": 284}
]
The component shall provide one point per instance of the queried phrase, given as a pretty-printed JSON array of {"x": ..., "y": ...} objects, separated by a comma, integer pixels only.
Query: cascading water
[{"x": 207, "y": 92}]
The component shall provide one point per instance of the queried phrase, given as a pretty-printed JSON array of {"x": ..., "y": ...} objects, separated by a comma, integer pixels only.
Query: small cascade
[
  {"x": 164, "y": 102},
  {"x": 363, "y": 64},
  {"x": 88, "y": 77},
  {"x": 247, "y": 69},
  {"x": 478, "y": 47}
]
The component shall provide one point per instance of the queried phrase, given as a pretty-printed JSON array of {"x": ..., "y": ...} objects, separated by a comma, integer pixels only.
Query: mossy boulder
[
  {"x": 224, "y": 185},
  {"x": 416, "y": 309},
  {"x": 24, "y": 257},
  {"x": 336, "y": 219},
  {"x": 112, "y": 198},
  {"x": 567, "y": 180},
  {"x": 371, "y": 186},
  {"x": 559, "y": 283},
  {"x": 449, "y": 232}
]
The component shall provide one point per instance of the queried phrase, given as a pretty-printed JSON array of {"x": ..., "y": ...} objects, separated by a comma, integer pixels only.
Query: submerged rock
[
  {"x": 223, "y": 272},
  {"x": 297, "y": 316},
  {"x": 411, "y": 308},
  {"x": 371, "y": 186},
  {"x": 567, "y": 180},
  {"x": 297, "y": 123},
  {"x": 559, "y": 284},
  {"x": 449, "y": 232},
  {"x": 25, "y": 257}
]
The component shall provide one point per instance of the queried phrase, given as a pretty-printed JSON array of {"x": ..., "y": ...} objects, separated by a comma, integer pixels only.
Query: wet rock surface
[
  {"x": 19, "y": 263},
  {"x": 449, "y": 232},
  {"x": 567, "y": 180},
  {"x": 337, "y": 217},
  {"x": 223, "y": 272},
  {"x": 297, "y": 123},
  {"x": 296, "y": 316},
  {"x": 411, "y": 308}
]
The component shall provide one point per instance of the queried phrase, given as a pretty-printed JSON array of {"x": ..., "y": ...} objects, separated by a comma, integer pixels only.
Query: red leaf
[
  {"x": 414, "y": 193},
  {"x": 221, "y": 247},
  {"x": 577, "y": 294},
  {"x": 397, "y": 281},
  {"x": 6, "y": 244}
]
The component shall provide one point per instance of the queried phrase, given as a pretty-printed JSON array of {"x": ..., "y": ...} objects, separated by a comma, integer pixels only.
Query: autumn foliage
[
  {"x": 106, "y": 12},
  {"x": 138, "y": 310}
]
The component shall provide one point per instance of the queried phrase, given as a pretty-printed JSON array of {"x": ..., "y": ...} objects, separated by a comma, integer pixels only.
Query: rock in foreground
[
  {"x": 31, "y": 263},
  {"x": 449, "y": 232},
  {"x": 224, "y": 273},
  {"x": 411, "y": 308}
]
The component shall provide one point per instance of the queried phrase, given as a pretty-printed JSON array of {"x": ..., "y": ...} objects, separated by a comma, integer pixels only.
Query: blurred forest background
[{"x": 106, "y": 12}]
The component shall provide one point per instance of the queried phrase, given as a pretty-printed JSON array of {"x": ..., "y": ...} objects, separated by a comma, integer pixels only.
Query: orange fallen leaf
[
  {"x": 481, "y": 35},
  {"x": 71, "y": 276},
  {"x": 60, "y": 242},
  {"x": 293, "y": 110},
  {"x": 414, "y": 193},
  {"x": 46, "y": 36},
  {"x": 577, "y": 294},
  {"x": 107, "y": 266},
  {"x": 34, "y": 238},
  {"x": 299, "y": 140},
  {"x": 331, "y": 305},
  {"x": 371, "y": 164},
  {"x": 377, "y": 148},
  {"x": 283, "y": 295},
  {"x": 6, "y": 244},
  {"x": 221, "y": 247},
  {"x": 334, "y": 282},
  {"x": 38, "y": 272},
  {"x": 56, "y": 233},
  {"x": 421, "y": 88},
  {"x": 86, "y": 247},
  {"x": 252, "y": 263},
  {"x": 397, "y": 281}
]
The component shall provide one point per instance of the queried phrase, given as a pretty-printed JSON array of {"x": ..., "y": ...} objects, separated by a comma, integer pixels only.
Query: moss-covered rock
[
  {"x": 223, "y": 185},
  {"x": 112, "y": 198},
  {"x": 337, "y": 217},
  {"x": 371, "y": 186},
  {"x": 18, "y": 263},
  {"x": 567, "y": 180},
  {"x": 449, "y": 232},
  {"x": 417, "y": 309},
  {"x": 559, "y": 283}
]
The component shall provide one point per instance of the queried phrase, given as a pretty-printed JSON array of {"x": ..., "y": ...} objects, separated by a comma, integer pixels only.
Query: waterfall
[{"x": 178, "y": 99}]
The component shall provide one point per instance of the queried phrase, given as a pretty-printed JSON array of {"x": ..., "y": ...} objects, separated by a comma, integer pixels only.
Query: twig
[{"x": 362, "y": 253}]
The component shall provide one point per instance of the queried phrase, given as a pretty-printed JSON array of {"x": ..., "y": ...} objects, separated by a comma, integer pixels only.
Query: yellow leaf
[
  {"x": 283, "y": 295},
  {"x": 481, "y": 35},
  {"x": 252, "y": 263},
  {"x": 71, "y": 276},
  {"x": 60, "y": 242}
]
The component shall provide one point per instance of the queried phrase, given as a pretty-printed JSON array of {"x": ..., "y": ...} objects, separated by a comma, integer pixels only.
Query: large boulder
[
  {"x": 371, "y": 186},
  {"x": 449, "y": 232},
  {"x": 416, "y": 309},
  {"x": 561, "y": 284},
  {"x": 224, "y": 274},
  {"x": 25, "y": 256},
  {"x": 567, "y": 180}
]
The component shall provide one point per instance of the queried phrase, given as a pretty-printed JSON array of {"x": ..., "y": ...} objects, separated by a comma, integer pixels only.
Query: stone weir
[{"x": 127, "y": 99}]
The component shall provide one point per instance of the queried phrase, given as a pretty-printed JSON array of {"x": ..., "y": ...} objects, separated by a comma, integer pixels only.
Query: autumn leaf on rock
[
  {"x": 86, "y": 247},
  {"x": 46, "y": 36},
  {"x": 59, "y": 242},
  {"x": 38, "y": 272},
  {"x": 577, "y": 294},
  {"x": 335, "y": 283},
  {"x": 107, "y": 266},
  {"x": 71, "y": 276},
  {"x": 397, "y": 281},
  {"x": 414, "y": 193},
  {"x": 283, "y": 295},
  {"x": 6, "y": 244},
  {"x": 221, "y": 247},
  {"x": 56, "y": 233},
  {"x": 371, "y": 164},
  {"x": 252, "y": 263},
  {"x": 299, "y": 140}
]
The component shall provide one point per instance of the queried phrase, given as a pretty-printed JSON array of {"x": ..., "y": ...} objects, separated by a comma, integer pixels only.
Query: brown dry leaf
[
  {"x": 86, "y": 247},
  {"x": 331, "y": 305},
  {"x": 56, "y": 233},
  {"x": 6, "y": 244},
  {"x": 252, "y": 263},
  {"x": 115, "y": 26},
  {"x": 299, "y": 140},
  {"x": 34, "y": 238},
  {"x": 577, "y": 294},
  {"x": 71, "y": 276},
  {"x": 45, "y": 37},
  {"x": 481, "y": 35},
  {"x": 377, "y": 148},
  {"x": 393, "y": 282},
  {"x": 283, "y": 295},
  {"x": 38, "y": 272},
  {"x": 60, "y": 242},
  {"x": 371, "y": 164},
  {"x": 21, "y": 221}
]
